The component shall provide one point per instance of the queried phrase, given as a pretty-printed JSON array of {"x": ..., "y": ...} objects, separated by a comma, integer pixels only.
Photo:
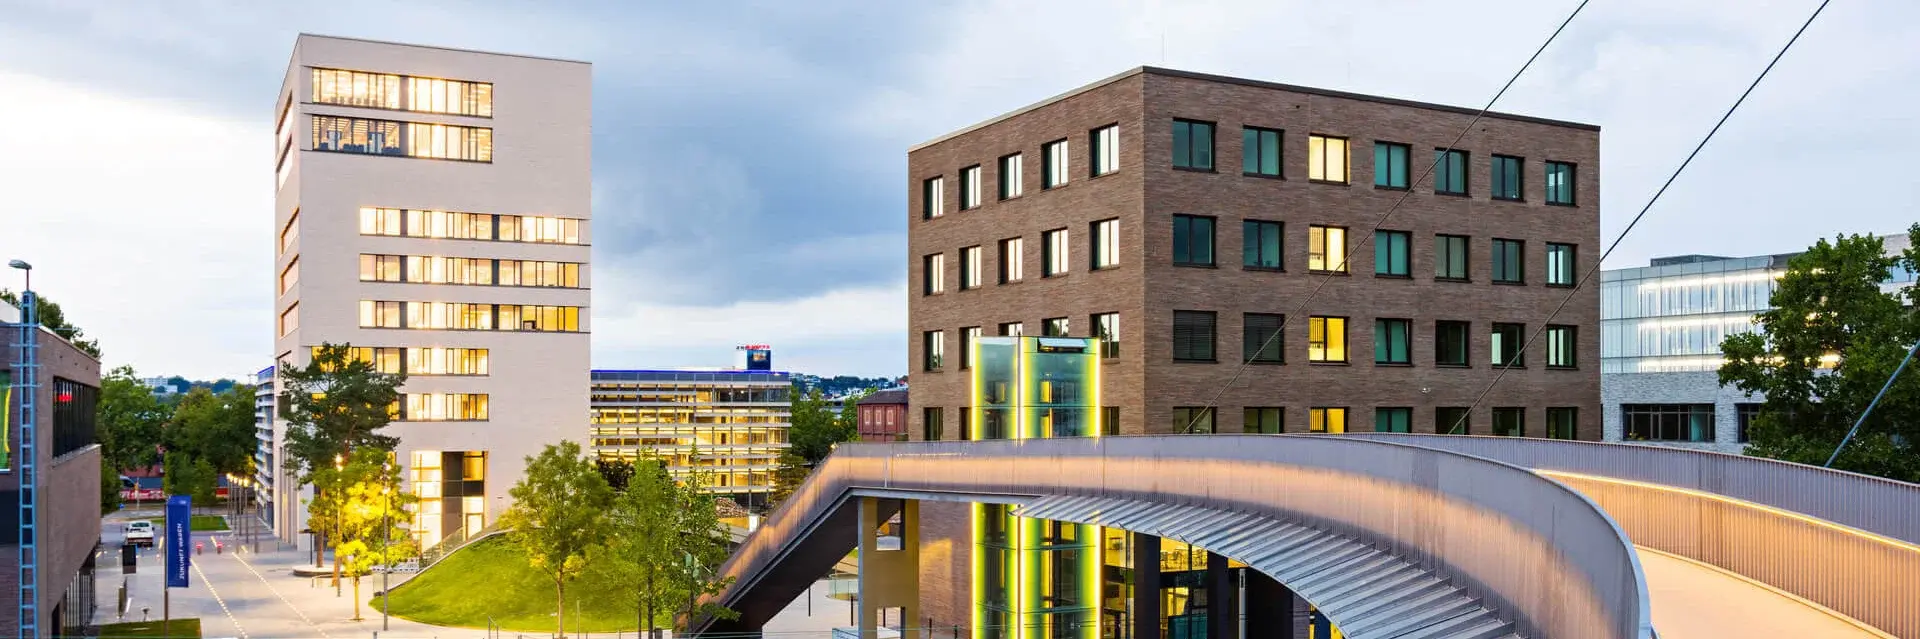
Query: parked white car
[{"x": 140, "y": 533}]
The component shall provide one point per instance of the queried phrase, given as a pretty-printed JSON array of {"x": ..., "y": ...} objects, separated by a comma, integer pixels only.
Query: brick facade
[
  {"x": 69, "y": 525},
  {"x": 1145, "y": 288}
]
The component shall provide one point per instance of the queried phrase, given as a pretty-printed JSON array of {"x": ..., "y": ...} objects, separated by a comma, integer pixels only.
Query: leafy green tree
[
  {"x": 190, "y": 476},
  {"x": 817, "y": 428},
  {"x": 130, "y": 422},
  {"x": 216, "y": 428},
  {"x": 372, "y": 517},
  {"x": 664, "y": 541},
  {"x": 49, "y": 314},
  {"x": 559, "y": 517},
  {"x": 1824, "y": 350},
  {"x": 617, "y": 472},
  {"x": 333, "y": 406}
]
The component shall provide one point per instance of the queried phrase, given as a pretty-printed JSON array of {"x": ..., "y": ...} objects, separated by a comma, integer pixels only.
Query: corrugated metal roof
[{"x": 1367, "y": 592}]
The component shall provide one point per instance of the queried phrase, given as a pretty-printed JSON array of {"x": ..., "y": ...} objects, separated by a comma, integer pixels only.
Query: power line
[
  {"x": 1578, "y": 286},
  {"x": 1346, "y": 259}
]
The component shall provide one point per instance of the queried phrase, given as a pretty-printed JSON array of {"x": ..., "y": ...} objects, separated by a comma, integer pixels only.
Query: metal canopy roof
[{"x": 1367, "y": 592}]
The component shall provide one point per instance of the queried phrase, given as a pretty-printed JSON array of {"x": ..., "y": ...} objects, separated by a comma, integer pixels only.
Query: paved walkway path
[{"x": 1692, "y": 600}]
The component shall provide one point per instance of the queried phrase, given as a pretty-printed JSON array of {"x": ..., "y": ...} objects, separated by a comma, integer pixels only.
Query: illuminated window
[
  {"x": 381, "y": 314},
  {"x": 290, "y": 319},
  {"x": 1193, "y": 145},
  {"x": 283, "y": 145},
  {"x": 1507, "y": 340},
  {"x": 970, "y": 267},
  {"x": 468, "y": 226},
  {"x": 1326, "y": 339},
  {"x": 1327, "y": 249},
  {"x": 1393, "y": 420},
  {"x": 1012, "y": 260},
  {"x": 933, "y": 198},
  {"x": 1105, "y": 143},
  {"x": 970, "y": 187},
  {"x": 1560, "y": 264},
  {"x": 1510, "y": 422},
  {"x": 1193, "y": 336},
  {"x": 449, "y": 142},
  {"x": 1390, "y": 165},
  {"x": 290, "y": 232},
  {"x": 933, "y": 274},
  {"x": 1327, "y": 159},
  {"x": 1507, "y": 181},
  {"x": 355, "y": 88},
  {"x": 290, "y": 275},
  {"x": 1326, "y": 420},
  {"x": 1054, "y": 251},
  {"x": 1560, "y": 183},
  {"x": 1450, "y": 172},
  {"x": 443, "y": 407},
  {"x": 1192, "y": 240},
  {"x": 433, "y": 95},
  {"x": 1560, "y": 346},
  {"x": 385, "y": 91},
  {"x": 1509, "y": 261},
  {"x": 1054, "y": 161},
  {"x": 1106, "y": 244},
  {"x": 1010, "y": 184},
  {"x": 380, "y": 268},
  {"x": 402, "y": 139},
  {"x": 1106, "y": 326}
]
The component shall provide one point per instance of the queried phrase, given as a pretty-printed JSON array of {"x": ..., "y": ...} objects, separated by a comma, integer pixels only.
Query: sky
[{"x": 750, "y": 157}]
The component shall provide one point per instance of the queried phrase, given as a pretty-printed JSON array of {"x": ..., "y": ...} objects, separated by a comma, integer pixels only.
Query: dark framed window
[
  {"x": 1192, "y": 240},
  {"x": 1450, "y": 172},
  {"x": 933, "y": 198},
  {"x": 1011, "y": 329},
  {"x": 1748, "y": 414},
  {"x": 1393, "y": 420},
  {"x": 1106, "y": 326},
  {"x": 1012, "y": 260},
  {"x": 970, "y": 187},
  {"x": 1392, "y": 341},
  {"x": 930, "y": 427},
  {"x": 1053, "y": 164},
  {"x": 1507, "y": 181},
  {"x": 1053, "y": 252},
  {"x": 1260, "y": 151},
  {"x": 74, "y": 419},
  {"x": 1327, "y": 159},
  {"x": 1450, "y": 341},
  {"x": 1109, "y": 420},
  {"x": 1193, "y": 420},
  {"x": 968, "y": 335},
  {"x": 1563, "y": 422},
  {"x": 1560, "y": 183},
  {"x": 1392, "y": 254},
  {"x": 1193, "y": 336},
  {"x": 1510, "y": 422},
  {"x": 1269, "y": 420},
  {"x": 971, "y": 265},
  {"x": 1327, "y": 339},
  {"x": 1260, "y": 245},
  {"x": 1104, "y": 143},
  {"x": 1193, "y": 145},
  {"x": 1105, "y": 252},
  {"x": 1509, "y": 261},
  {"x": 1390, "y": 165},
  {"x": 1261, "y": 339},
  {"x": 933, "y": 349},
  {"x": 1452, "y": 420},
  {"x": 1560, "y": 264},
  {"x": 1327, "y": 249},
  {"x": 1505, "y": 347},
  {"x": 1667, "y": 422},
  {"x": 966, "y": 426},
  {"x": 1560, "y": 346},
  {"x": 1010, "y": 182},
  {"x": 1327, "y": 420},
  {"x": 933, "y": 274},
  {"x": 1450, "y": 257},
  {"x": 1055, "y": 327}
]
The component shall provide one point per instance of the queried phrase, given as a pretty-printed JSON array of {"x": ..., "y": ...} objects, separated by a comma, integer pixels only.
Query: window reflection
[
  {"x": 468, "y": 226},
  {"x": 402, "y": 139}
]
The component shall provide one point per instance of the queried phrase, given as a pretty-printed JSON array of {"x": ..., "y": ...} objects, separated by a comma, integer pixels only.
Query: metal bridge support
[
  {"x": 889, "y": 577},
  {"x": 1146, "y": 586},
  {"x": 1273, "y": 610}
]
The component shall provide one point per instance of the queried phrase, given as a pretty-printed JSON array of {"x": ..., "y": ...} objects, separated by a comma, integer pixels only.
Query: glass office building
[{"x": 728, "y": 427}]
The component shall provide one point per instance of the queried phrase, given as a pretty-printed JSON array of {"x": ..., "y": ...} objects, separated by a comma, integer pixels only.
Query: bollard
[{"x": 199, "y": 547}]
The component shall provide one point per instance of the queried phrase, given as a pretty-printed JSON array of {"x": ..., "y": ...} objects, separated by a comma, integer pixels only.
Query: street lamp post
[
  {"x": 386, "y": 544},
  {"x": 339, "y": 521}
]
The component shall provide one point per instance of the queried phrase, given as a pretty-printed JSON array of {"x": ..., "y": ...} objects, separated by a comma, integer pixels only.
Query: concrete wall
[{"x": 1701, "y": 387}]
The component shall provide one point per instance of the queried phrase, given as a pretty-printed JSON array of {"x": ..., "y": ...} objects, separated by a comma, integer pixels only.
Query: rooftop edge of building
[
  {"x": 1263, "y": 84},
  {"x": 303, "y": 35},
  {"x": 638, "y": 374}
]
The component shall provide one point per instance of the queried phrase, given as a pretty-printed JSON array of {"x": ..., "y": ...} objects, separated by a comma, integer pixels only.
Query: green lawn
[
  {"x": 148, "y": 629},
  {"x": 201, "y": 523},
  {"x": 491, "y": 577}
]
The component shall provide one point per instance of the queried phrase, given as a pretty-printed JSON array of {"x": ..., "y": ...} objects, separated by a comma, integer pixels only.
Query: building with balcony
[
  {"x": 433, "y": 210},
  {"x": 725, "y": 428}
]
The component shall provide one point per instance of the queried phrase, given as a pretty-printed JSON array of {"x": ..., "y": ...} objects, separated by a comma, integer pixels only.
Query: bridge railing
[
  {"x": 1531, "y": 547},
  {"x": 1842, "y": 540}
]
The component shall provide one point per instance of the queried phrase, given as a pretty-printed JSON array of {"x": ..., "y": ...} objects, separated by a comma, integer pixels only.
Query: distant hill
[
  {"x": 180, "y": 385},
  {"x": 839, "y": 385}
]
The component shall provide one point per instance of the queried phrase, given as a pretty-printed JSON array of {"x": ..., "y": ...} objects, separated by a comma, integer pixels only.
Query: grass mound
[
  {"x": 492, "y": 577},
  {"x": 182, "y": 628}
]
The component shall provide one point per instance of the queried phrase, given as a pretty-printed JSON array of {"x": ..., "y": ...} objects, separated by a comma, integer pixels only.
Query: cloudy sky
[{"x": 136, "y": 169}]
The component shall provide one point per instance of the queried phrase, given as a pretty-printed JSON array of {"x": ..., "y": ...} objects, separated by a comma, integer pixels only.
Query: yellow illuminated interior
[
  {"x": 424, "y": 269},
  {"x": 1327, "y": 339},
  {"x": 1327, "y": 249},
  {"x": 1326, "y": 158},
  {"x": 441, "y": 407},
  {"x": 1327, "y": 420},
  {"x": 465, "y": 316}
]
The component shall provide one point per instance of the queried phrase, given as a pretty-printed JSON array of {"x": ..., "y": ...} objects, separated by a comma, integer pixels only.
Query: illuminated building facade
[
  {"x": 433, "y": 210},
  {"x": 728, "y": 427}
]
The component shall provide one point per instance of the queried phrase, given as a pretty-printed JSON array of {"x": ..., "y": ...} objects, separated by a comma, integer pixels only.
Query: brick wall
[{"x": 69, "y": 513}]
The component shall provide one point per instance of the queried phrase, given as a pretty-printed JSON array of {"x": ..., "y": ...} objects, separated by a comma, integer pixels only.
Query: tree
[
  {"x": 335, "y": 404},
  {"x": 1824, "y": 350},
  {"x": 371, "y": 515},
  {"x": 190, "y": 476},
  {"x": 49, "y": 315},
  {"x": 617, "y": 472},
  {"x": 130, "y": 421},
  {"x": 559, "y": 517},
  {"x": 216, "y": 428},
  {"x": 664, "y": 541},
  {"x": 817, "y": 428}
]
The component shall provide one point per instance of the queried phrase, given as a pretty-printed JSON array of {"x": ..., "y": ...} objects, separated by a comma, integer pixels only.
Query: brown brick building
[{"x": 1190, "y": 213}]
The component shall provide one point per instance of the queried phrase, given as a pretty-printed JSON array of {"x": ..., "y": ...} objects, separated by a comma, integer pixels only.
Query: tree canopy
[
  {"x": 559, "y": 516},
  {"x": 817, "y": 427},
  {"x": 129, "y": 420},
  {"x": 664, "y": 541},
  {"x": 335, "y": 404},
  {"x": 49, "y": 314},
  {"x": 1824, "y": 350},
  {"x": 215, "y": 428}
]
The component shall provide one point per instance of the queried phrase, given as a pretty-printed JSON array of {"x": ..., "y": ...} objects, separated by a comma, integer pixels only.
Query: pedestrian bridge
[{"x": 1398, "y": 535}]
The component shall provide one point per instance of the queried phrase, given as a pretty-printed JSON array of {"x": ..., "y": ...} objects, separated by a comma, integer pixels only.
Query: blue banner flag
[{"x": 179, "y": 539}]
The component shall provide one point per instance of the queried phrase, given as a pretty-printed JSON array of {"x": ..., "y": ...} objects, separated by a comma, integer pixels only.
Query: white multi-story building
[
  {"x": 432, "y": 209},
  {"x": 1661, "y": 327}
]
